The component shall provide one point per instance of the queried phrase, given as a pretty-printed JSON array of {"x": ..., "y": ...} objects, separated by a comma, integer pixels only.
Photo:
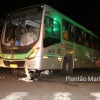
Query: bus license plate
[{"x": 13, "y": 66}]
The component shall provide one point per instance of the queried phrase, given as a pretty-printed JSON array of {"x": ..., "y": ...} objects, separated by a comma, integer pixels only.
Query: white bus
[{"x": 44, "y": 39}]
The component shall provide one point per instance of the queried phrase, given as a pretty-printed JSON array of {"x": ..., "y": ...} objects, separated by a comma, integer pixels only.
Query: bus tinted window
[
  {"x": 96, "y": 44},
  {"x": 87, "y": 40},
  {"x": 80, "y": 36},
  {"x": 48, "y": 27},
  {"x": 68, "y": 31},
  {"x": 51, "y": 32},
  {"x": 77, "y": 35}
]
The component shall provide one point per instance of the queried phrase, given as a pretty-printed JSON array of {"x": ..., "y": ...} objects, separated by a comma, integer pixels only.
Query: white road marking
[
  {"x": 97, "y": 95},
  {"x": 62, "y": 96},
  {"x": 16, "y": 96}
]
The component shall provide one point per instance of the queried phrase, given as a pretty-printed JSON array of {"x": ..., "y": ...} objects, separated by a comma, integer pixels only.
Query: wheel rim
[{"x": 67, "y": 66}]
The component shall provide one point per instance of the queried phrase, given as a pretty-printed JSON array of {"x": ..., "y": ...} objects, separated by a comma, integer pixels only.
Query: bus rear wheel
[{"x": 67, "y": 66}]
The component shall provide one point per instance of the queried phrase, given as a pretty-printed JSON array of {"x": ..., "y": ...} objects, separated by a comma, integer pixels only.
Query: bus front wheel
[{"x": 67, "y": 65}]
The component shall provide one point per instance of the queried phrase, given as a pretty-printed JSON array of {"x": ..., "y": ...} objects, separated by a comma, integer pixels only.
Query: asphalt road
[{"x": 83, "y": 84}]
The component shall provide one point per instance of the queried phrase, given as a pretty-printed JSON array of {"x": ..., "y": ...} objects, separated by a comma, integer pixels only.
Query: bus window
[
  {"x": 98, "y": 47},
  {"x": 68, "y": 31},
  {"x": 77, "y": 35},
  {"x": 71, "y": 35},
  {"x": 48, "y": 27},
  {"x": 56, "y": 29},
  {"x": 51, "y": 32},
  {"x": 10, "y": 36},
  {"x": 65, "y": 30},
  {"x": 80, "y": 36},
  {"x": 97, "y": 42},
  {"x": 22, "y": 31},
  {"x": 65, "y": 34},
  {"x": 87, "y": 40},
  {"x": 83, "y": 36},
  {"x": 91, "y": 45}
]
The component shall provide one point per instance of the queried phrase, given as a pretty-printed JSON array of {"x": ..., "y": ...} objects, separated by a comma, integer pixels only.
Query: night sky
[{"x": 85, "y": 12}]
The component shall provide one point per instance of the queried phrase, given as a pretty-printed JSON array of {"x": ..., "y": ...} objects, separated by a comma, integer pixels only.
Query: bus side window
[
  {"x": 91, "y": 42},
  {"x": 86, "y": 39},
  {"x": 77, "y": 35},
  {"x": 86, "y": 43},
  {"x": 68, "y": 31},
  {"x": 48, "y": 27},
  {"x": 51, "y": 32},
  {"x": 97, "y": 44},
  {"x": 65, "y": 30},
  {"x": 71, "y": 33},
  {"x": 83, "y": 37},
  {"x": 65, "y": 34},
  {"x": 80, "y": 37}
]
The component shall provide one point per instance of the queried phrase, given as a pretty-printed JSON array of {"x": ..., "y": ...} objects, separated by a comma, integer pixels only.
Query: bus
[{"x": 44, "y": 40}]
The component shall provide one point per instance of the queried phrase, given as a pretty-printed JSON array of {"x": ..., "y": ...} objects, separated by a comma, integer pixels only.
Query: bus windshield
[{"x": 22, "y": 29}]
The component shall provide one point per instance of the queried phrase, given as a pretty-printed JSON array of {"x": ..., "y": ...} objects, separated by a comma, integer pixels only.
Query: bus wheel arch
[{"x": 67, "y": 64}]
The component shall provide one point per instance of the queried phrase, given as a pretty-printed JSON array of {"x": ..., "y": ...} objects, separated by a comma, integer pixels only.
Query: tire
[{"x": 67, "y": 66}]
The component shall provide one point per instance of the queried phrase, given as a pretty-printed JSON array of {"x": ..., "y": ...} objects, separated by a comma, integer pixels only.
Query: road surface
[{"x": 57, "y": 88}]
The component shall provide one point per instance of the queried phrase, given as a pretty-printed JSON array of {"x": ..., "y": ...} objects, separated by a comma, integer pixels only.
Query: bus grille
[{"x": 19, "y": 63}]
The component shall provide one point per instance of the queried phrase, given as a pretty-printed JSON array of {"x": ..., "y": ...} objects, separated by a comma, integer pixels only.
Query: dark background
[{"x": 85, "y": 12}]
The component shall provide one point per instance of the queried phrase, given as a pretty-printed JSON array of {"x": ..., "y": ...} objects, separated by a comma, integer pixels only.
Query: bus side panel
[
  {"x": 52, "y": 57},
  {"x": 83, "y": 56},
  {"x": 96, "y": 58},
  {"x": 51, "y": 63}
]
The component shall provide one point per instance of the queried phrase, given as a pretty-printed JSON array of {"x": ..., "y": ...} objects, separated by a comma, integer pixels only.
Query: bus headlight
[{"x": 33, "y": 54}]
